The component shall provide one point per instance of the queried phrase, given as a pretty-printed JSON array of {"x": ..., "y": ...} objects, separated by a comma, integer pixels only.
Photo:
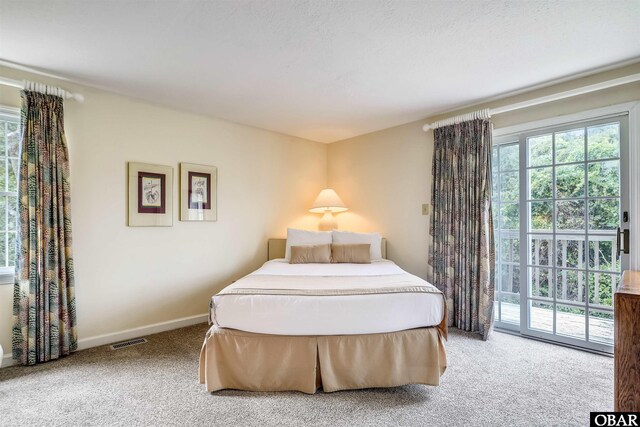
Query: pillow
[
  {"x": 297, "y": 237},
  {"x": 308, "y": 254},
  {"x": 374, "y": 239},
  {"x": 355, "y": 253}
]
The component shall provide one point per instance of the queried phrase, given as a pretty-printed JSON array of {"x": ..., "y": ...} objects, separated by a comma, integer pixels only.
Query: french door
[{"x": 559, "y": 199}]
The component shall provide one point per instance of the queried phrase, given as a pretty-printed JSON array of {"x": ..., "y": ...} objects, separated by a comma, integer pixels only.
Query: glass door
[
  {"x": 570, "y": 203},
  {"x": 506, "y": 222}
]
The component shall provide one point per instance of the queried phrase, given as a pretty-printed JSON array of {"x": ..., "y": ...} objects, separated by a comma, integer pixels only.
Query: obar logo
[{"x": 611, "y": 419}]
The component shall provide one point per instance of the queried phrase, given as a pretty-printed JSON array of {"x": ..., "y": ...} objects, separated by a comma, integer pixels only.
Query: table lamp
[{"x": 328, "y": 202}]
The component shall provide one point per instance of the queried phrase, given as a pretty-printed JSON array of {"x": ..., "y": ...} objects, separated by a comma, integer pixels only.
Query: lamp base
[{"x": 327, "y": 222}]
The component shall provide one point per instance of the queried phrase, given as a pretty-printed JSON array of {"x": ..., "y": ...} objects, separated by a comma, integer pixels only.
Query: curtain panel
[
  {"x": 43, "y": 297},
  {"x": 462, "y": 253}
]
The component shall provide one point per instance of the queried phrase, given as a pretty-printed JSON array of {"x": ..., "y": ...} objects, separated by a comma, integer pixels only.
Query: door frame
[{"x": 630, "y": 201}]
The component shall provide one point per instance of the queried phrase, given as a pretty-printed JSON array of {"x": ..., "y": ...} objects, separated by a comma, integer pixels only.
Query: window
[
  {"x": 506, "y": 223},
  {"x": 9, "y": 150}
]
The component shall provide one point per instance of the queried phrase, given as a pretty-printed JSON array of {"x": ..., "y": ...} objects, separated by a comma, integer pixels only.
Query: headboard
[{"x": 278, "y": 247}]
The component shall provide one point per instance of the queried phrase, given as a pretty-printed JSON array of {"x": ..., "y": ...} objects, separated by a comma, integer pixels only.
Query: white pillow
[
  {"x": 374, "y": 239},
  {"x": 297, "y": 237}
]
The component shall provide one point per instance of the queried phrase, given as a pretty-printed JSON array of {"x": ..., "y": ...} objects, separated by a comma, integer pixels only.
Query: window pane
[
  {"x": 12, "y": 183},
  {"x": 570, "y": 215},
  {"x": 12, "y": 248},
  {"x": 570, "y": 285},
  {"x": 604, "y": 179},
  {"x": 510, "y": 309},
  {"x": 3, "y": 139},
  {"x": 3, "y": 174},
  {"x": 541, "y": 216},
  {"x": 12, "y": 211},
  {"x": 510, "y": 250},
  {"x": 570, "y": 321},
  {"x": 509, "y": 157},
  {"x": 570, "y": 146},
  {"x": 3, "y": 213},
  {"x": 604, "y": 214},
  {"x": 510, "y": 216},
  {"x": 602, "y": 253},
  {"x": 540, "y": 280},
  {"x": 3, "y": 249},
  {"x": 494, "y": 174},
  {"x": 603, "y": 141},
  {"x": 510, "y": 278},
  {"x": 601, "y": 288},
  {"x": 601, "y": 326},
  {"x": 540, "y": 183},
  {"x": 570, "y": 181},
  {"x": 541, "y": 316},
  {"x": 13, "y": 139},
  {"x": 540, "y": 153},
  {"x": 570, "y": 252},
  {"x": 495, "y": 181},
  {"x": 541, "y": 250},
  {"x": 509, "y": 187}
]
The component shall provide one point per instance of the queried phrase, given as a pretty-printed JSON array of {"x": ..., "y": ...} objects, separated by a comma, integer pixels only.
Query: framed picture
[
  {"x": 150, "y": 195},
  {"x": 198, "y": 192}
]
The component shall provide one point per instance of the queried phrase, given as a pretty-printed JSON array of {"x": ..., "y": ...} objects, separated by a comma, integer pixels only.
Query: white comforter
[{"x": 284, "y": 314}]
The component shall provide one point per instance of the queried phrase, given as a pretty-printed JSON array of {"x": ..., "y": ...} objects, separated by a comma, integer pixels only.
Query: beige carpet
[{"x": 507, "y": 381}]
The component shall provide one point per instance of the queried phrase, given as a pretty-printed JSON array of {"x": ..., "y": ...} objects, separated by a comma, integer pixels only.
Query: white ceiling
[{"x": 322, "y": 70}]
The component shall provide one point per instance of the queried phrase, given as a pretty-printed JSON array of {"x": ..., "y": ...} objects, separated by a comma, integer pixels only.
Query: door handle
[{"x": 624, "y": 248}]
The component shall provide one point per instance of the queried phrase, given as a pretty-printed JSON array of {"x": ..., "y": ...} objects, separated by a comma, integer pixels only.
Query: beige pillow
[
  {"x": 355, "y": 253},
  {"x": 307, "y": 254}
]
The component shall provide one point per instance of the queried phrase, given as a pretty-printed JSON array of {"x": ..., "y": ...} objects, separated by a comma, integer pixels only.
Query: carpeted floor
[{"x": 507, "y": 381}]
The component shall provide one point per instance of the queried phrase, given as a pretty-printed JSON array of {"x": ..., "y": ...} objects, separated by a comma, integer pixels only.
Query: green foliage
[
  {"x": 606, "y": 287},
  {"x": 541, "y": 215},
  {"x": 541, "y": 183},
  {"x": 600, "y": 179},
  {"x": 12, "y": 139},
  {"x": 510, "y": 214},
  {"x": 510, "y": 187},
  {"x": 12, "y": 213},
  {"x": 570, "y": 146},
  {"x": 603, "y": 141},
  {"x": 510, "y": 158},
  {"x": 540, "y": 150},
  {"x": 570, "y": 181},
  {"x": 570, "y": 215}
]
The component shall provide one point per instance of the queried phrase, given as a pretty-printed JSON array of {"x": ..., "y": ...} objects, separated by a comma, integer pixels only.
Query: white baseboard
[
  {"x": 7, "y": 360},
  {"x": 127, "y": 334}
]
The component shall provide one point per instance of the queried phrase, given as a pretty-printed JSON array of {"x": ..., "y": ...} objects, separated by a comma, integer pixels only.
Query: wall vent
[{"x": 129, "y": 343}]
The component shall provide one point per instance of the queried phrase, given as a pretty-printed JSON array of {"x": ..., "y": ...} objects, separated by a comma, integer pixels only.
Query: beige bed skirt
[{"x": 246, "y": 361}]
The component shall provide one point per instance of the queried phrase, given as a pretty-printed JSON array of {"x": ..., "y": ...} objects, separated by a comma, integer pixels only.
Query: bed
[{"x": 336, "y": 326}]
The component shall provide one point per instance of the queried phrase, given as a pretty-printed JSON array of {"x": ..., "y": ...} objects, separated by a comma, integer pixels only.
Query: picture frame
[
  {"x": 150, "y": 195},
  {"x": 198, "y": 192}
]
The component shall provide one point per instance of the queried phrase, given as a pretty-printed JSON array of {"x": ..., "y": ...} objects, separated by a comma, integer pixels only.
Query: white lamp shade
[{"x": 328, "y": 200}]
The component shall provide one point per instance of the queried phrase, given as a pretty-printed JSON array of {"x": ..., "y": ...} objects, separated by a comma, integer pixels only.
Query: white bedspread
[{"x": 309, "y": 314}]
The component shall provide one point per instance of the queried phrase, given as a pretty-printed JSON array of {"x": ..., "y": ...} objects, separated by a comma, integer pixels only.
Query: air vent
[{"x": 129, "y": 343}]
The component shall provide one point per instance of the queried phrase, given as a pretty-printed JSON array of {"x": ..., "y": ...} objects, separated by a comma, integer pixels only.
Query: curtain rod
[
  {"x": 544, "y": 99},
  {"x": 20, "y": 84}
]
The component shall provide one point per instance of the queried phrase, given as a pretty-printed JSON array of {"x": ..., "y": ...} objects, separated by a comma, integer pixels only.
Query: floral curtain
[
  {"x": 43, "y": 297},
  {"x": 462, "y": 253}
]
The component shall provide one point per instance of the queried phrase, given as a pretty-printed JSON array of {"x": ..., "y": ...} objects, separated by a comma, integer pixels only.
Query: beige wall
[
  {"x": 130, "y": 277},
  {"x": 385, "y": 176}
]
